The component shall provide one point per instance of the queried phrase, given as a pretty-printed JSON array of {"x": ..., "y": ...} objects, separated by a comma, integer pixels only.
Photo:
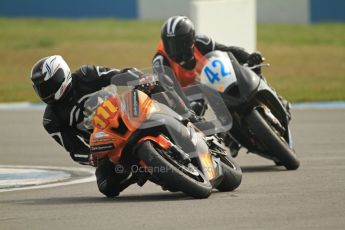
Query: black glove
[{"x": 255, "y": 59}]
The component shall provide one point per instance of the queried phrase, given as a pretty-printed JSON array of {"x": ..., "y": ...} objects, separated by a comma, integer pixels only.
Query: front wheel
[
  {"x": 274, "y": 144},
  {"x": 174, "y": 175},
  {"x": 232, "y": 174}
]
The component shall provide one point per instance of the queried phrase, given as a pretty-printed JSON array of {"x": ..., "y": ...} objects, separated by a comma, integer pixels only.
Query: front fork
[{"x": 283, "y": 131}]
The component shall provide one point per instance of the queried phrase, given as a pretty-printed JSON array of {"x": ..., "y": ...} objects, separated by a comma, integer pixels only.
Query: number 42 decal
[{"x": 214, "y": 76}]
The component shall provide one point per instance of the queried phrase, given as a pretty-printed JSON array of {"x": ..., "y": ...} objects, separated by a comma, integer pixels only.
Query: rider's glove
[
  {"x": 147, "y": 84},
  {"x": 255, "y": 59}
]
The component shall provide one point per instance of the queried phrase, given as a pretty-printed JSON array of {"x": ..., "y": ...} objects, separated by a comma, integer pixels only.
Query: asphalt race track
[{"x": 313, "y": 197}]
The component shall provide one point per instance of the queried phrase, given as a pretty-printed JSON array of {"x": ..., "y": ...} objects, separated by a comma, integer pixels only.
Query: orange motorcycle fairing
[
  {"x": 115, "y": 120},
  {"x": 162, "y": 141}
]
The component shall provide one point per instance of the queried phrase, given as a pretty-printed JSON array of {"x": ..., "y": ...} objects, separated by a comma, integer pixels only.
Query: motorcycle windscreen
[
  {"x": 170, "y": 94},
  {"x": 169, "y": 105},
  {"x": 162, "y": 86},
  {"x": 217, "y": 119},
  {"x": 94, "y": 101},
  {"x": 166, "y": 108}
]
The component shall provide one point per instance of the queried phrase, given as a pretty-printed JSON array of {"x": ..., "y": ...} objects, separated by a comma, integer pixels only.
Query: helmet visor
[
  {"x": 179, "y": 48},
  {"x": 46, "y": 89}
]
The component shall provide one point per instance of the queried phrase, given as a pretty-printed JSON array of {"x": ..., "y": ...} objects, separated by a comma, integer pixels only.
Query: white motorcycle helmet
[{"x": 51, "y": 78}]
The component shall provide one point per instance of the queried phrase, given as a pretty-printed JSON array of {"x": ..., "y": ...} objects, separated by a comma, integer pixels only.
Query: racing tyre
[
  {"x": 232, "y": 174},
  {"x": 174, "y": 175},
  {"x": 275, "y": 144}
]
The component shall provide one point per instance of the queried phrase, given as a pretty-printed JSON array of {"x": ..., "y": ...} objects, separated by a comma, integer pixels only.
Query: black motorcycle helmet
[
  {"x": 51, "y": 78},
  {"x": 178, "y": 36}
]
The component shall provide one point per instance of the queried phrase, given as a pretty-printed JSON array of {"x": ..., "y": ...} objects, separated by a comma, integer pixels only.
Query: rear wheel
[
  {"x": 172, "y": 174},
  {"x": 232, "y": 174},
  {"x": 272, "y": 141}
]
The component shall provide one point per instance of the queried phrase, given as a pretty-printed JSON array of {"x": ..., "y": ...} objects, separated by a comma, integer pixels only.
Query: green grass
[
  {"x": 320, "y": 34},
  {"x": 307, "y": 62}
]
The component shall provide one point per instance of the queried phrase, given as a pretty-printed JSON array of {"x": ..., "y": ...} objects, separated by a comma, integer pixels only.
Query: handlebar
[{"x": 256, "y": 66}]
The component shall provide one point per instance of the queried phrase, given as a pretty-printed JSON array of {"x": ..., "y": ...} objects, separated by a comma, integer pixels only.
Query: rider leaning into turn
[
  {"x": 65, "y": 94},
  {"x": 181, "y": 49}
]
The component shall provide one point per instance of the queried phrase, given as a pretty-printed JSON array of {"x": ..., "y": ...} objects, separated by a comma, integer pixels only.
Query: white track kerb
[{"x": 20, "y": 177}]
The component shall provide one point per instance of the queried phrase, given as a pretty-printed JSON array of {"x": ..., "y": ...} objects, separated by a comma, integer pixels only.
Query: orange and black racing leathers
[{"x": 185, "y": 72}]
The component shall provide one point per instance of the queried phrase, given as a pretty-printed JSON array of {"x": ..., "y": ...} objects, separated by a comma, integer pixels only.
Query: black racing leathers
[{"x": 63, "y": 119}]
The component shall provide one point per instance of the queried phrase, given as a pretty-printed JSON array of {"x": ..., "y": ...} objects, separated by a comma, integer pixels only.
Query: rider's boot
[{"x": 111, "y": 179}]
